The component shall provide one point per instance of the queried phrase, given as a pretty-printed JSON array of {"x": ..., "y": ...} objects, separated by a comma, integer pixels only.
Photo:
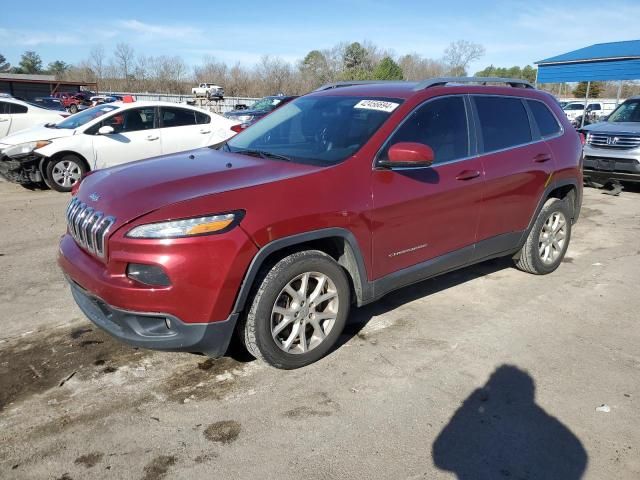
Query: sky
[{"x": 513, "y": 32}]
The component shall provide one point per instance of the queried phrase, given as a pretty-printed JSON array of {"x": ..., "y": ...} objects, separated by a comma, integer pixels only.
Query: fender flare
[{"x": 351, "y": 259}]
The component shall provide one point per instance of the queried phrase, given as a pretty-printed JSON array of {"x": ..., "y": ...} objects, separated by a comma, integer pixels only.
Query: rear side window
[
  {"x": 177, "y": 117},
  {"x": 16, "y": 108},
  {"x": 441, "y": 124},
  {"x": 202, "y": 118},
  {"x": 547, "y": 123},
  {"x": 4, "y": 107},
  {"x": 504, "y": 122}
]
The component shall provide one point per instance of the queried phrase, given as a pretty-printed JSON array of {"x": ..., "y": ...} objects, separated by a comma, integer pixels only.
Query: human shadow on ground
[{"x": 499, "y": 432}]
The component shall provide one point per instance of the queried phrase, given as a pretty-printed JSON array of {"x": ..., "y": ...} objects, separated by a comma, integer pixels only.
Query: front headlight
[
  {"x": 24, "y": 148},
  {"x": 187, "y": 227}
]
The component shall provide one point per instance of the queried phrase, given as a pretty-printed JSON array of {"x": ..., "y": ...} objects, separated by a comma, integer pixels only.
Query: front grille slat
[
  {"x": 88, "y": 227},
  {"x": 620, "y": 142}
]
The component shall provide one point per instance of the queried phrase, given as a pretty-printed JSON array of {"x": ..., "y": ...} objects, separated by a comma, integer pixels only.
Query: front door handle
[
  {"x": 152, "y": 138},
  {"x": 542, "y": 157},
  {"x": 468, "y": 175}
]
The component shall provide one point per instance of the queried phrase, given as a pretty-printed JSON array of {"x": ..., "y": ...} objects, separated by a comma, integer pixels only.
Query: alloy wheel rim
[
  {"x": 66, "y": 173},
  {"x": 553, "y": 236},
  {"x": 304, "y": 312}
]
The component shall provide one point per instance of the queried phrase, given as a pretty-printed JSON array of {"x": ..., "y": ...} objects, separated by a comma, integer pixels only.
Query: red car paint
[{"x": 424, "y": 215}]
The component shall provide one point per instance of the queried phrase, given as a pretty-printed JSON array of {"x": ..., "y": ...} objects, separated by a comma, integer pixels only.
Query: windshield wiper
[{"x": 263, "y": 154}]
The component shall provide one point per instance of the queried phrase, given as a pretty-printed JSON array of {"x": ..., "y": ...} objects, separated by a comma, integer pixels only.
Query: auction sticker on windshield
[{"x": 377, "y": 105}]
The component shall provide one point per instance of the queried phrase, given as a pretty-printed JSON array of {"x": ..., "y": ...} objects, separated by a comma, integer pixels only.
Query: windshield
[
  {"x": 574, "y": 106},
  {"x": 266, "y": 104},
  {"x": 320, "y": 130},
  {"x": 629, "y": 111},
  {"x": 79, "y": 119}
]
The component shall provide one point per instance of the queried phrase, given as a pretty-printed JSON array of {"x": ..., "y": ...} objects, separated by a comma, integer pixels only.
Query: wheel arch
[
  {"x": 45, "y": 161},
  {"x": 338, "y": 243}
]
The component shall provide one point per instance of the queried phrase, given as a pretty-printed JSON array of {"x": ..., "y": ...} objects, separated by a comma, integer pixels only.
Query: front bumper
[
  {"x": 608, "y": 164},
  {"x": 23, "y": 170},
  {"x": 157, "y": 331}
]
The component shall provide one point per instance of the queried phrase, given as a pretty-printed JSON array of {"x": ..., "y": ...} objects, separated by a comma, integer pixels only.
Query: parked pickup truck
[{"x": 208, "y": 90}]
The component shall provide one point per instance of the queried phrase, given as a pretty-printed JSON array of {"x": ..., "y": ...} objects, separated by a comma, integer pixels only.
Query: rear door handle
[
  {"x": 468, "y": 175},
  {"x": 4, "y": 119},
  {"x": 542, "y": 157},
  {"x": 203, "y": 131},
  {"x": 152, "y": 137}
]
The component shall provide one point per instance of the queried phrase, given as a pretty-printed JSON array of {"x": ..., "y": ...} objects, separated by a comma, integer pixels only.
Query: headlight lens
[
  {"x": 24, "y": 148},
  {"x": 187, "y": 227}
]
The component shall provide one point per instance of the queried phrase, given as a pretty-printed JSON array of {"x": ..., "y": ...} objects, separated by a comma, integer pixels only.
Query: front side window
[
  {"x": 132, "y": 120},
  {"x": 177, "y": 117},
  {"x": 315, "y": 129},
  {"x": 4, "y": 107},
  {"x": 504, "y": 122},
  {"x": 440, "y": 124},
  {"x": 629, "y": 111},
  {"x": 546, "y": 121}
]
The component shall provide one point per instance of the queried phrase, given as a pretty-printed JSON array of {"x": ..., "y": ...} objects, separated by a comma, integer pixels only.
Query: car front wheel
[
  {"x": 64, "y": 172},
  {"x": 298, "y": 311}
]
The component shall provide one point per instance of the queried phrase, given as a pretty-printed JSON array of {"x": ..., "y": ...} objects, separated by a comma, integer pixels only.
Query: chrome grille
[
  {"x": 88, "y": 227},
  {"x": 621, "y": 142}
]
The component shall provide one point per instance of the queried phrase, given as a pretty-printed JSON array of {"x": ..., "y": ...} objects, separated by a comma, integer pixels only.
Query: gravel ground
[{"x": 485, "y": 373}]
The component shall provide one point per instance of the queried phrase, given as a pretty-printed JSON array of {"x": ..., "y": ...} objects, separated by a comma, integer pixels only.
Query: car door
[
  {"x": 5, "y": 119},
  {"x": 183, "y": 129},
  {"x": 517, "y": 163},
  {"x": 424, "y": 213},
  {"x": 136, "y": 136}
]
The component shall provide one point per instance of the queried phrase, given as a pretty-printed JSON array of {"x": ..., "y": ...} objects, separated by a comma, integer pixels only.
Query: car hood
[
  {"x": 33, "y": 134},
  {"x": 614, "y": 127},
  {"x": 129, "y": 191}
]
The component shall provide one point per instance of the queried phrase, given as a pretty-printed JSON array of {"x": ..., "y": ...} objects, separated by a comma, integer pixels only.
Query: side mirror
[
  {"x": 106, "y": 130},
  {"x": 409, "y": 154}
]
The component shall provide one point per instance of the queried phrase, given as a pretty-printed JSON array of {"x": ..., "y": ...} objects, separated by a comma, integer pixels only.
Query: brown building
[{"x": 29, "y": 86}]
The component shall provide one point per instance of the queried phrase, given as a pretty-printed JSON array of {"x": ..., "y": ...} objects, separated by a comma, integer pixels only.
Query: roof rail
[
  {"x": 442, "y": 81},
  {"x": 351, "y": 83}
]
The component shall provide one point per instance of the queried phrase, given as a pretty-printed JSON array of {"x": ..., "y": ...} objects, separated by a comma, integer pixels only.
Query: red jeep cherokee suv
[{"x": 333, "y": 200}]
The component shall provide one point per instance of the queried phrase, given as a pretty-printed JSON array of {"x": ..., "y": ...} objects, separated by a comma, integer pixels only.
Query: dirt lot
[{"x": 483, "y": 373}]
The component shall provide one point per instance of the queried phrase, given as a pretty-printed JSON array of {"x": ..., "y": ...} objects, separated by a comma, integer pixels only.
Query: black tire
[
  {"x": 73, "y": 108},
  {"x": 52, "y": 172},
  {"x": 530, "y": 259},
  {"x": 254, "y": 328}
]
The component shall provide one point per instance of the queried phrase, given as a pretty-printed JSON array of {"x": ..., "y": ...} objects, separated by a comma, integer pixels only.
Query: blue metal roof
[
  {"x": 600, "y": 62},
  {"x": 599, "y": 51}
]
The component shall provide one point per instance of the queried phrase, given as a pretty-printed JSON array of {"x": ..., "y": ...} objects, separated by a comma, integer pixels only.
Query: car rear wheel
[
  {"x": 298, "y": 311},
  {"x": 64, "y": 172},
  {"x": 548, "y": 240}
]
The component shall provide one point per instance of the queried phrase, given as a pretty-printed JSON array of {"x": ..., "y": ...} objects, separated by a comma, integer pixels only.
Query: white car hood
[
  {"x": 36, "y": 133},
  {"x": 614, "y": 127}
]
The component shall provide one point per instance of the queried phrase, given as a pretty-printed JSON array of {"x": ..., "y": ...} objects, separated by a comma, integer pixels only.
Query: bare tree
[
  {"x": 97, "y": 57},
  {"x": 415, "y": 67},
  {"x": 125, "y": 57},
  {"x": 459, "y": 54}
]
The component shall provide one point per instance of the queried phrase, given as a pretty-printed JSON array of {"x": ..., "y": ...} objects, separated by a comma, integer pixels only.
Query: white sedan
[
  {"x": 16, "y": 115},
  {"x": 104, "y": 136}
]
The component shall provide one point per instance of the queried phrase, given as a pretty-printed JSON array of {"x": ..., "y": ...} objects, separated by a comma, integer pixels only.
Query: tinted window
[
  {"x": 16, "y": 108},
  {"x": 547, "y": 123},
  {"x": 503, "y": 121},
  {"x": 4, "y": 107},
  {"x": 629, "y": 111},
  {"x": 202, "y": 118},
  {"x": 129, "y": 121},
  {"x": 441, "y": 124},
  {"x": 177, "y": 117}
]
